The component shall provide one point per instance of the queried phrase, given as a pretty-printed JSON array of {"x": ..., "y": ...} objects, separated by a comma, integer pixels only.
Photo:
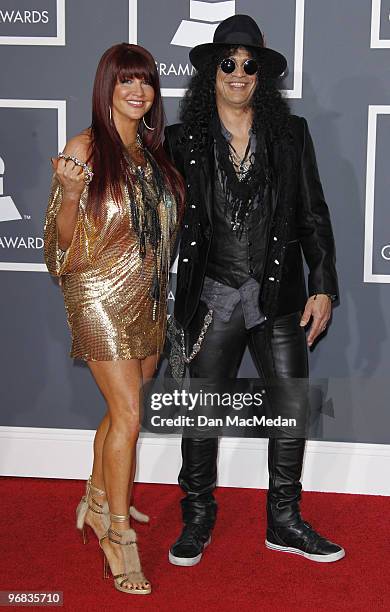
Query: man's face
[{"x": 235, "y": 89}]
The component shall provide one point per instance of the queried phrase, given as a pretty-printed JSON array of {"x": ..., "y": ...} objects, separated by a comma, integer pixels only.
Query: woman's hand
[{"x": 71, "y": 178}]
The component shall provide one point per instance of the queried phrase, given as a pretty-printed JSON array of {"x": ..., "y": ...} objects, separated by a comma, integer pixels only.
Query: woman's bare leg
[
  {"x": 120, "y": 383},
  {"x": 148, "y": 368},
  {"x": 100, "y": 436}
]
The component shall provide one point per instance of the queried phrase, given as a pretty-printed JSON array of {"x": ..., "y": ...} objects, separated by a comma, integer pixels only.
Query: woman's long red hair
[{"x": 117, "y": 63}]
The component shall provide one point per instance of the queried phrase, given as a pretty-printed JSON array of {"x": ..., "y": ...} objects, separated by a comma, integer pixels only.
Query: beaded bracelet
[{"x": 88, "y": 174}]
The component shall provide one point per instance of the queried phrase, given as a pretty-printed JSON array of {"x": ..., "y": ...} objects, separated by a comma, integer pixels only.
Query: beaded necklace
[{"x": 146, "y": 189}]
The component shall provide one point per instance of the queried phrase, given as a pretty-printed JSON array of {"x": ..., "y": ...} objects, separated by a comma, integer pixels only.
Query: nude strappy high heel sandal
[
  {"x": 88, "y": 502},
  {"x": 132, "y": 574}
]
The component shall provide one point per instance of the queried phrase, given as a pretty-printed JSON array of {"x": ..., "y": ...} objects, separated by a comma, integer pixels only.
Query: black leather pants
[{"x": 220, "y": 358}]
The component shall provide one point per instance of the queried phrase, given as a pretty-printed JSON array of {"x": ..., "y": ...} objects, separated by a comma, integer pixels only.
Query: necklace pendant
[
  {"x": 167, "y": 200},
  {"x": 235, "y": 223}
]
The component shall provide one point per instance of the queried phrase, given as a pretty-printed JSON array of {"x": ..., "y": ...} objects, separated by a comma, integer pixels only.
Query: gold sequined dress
[{"x": 107, "y": 287}]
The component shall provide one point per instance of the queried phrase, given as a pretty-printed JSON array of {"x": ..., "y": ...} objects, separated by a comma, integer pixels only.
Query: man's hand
[{"x": 320, "y": 308}]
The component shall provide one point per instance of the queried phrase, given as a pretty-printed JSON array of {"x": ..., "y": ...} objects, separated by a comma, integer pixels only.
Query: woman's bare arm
[{"x": 71, "y": 178}]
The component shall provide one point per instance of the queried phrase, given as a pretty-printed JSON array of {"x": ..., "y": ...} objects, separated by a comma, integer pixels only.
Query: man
[{"x": 254, "y": 203}]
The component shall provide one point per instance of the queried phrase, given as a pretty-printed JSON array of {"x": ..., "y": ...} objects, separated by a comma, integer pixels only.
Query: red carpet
[{"x": 41, "y": 550}]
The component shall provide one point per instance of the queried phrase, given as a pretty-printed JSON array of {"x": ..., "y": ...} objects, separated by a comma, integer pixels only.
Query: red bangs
[
  {"x": 125, "y": 74},
  {"x": 137, "y": 64}
]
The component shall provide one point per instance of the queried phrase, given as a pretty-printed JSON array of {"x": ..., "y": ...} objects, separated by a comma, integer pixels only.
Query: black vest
[{"x": 232, "y": 260}]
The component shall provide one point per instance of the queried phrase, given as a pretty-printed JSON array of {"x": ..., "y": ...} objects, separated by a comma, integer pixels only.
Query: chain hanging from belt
[
  {"x": 196, "y": 346},
  {"x": 175, "y": 349}
]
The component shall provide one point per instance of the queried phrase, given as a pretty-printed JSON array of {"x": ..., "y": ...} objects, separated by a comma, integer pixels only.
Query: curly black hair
[{"x": 270, "y": 110}]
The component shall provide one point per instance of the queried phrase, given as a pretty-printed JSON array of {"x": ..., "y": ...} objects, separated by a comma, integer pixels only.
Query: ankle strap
[
  {"x": 119, "y": 518},
  {"x": 112, "y": 532},
  {"x": 93, "y": 488},
  {"x": 91, "y": 501}
]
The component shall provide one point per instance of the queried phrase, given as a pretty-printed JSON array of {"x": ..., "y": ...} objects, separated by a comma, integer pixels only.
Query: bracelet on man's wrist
[{"x": 331, "y": 296}]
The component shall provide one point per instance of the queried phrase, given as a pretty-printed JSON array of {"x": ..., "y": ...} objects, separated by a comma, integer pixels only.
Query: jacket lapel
[
  {"x": 206, "y": 175},
  {"x": 275, "y": 186}
]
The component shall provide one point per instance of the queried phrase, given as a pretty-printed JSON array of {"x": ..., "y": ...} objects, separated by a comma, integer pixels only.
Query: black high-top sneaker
[
  {"x": 302, "y": 539},
  {"x": 197, "y": 478},
  {"x": 287, "y": 531},
  {"x": 188, "y": 548}
]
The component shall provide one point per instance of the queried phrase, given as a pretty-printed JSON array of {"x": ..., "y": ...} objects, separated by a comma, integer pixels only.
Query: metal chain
[{"x": 196, "y": 347}]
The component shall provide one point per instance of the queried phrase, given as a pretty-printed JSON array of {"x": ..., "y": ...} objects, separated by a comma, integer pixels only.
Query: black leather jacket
[{"x": 300, "y": 222}]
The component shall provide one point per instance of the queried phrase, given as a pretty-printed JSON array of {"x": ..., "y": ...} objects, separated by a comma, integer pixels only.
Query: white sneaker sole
[
  {"x": 318, "y": 558},
  {"x": 187, "y": 561}
]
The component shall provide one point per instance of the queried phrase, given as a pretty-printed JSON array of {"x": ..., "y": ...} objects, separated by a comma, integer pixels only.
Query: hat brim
[{"x": 276, "y": 62}]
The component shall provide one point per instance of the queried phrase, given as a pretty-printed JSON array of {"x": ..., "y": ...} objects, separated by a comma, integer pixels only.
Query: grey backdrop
[{"x": 342, "y": 76}]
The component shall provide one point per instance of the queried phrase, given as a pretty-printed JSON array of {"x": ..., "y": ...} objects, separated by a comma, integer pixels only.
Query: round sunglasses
[{"x": 229, "y": 65}]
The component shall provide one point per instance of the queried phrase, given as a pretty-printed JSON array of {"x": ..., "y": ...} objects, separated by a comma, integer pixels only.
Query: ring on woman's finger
[{"x": 87, "y": 174}]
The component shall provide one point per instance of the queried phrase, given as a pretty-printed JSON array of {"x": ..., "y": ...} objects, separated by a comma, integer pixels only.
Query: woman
[{"x": 110, "y": 242}]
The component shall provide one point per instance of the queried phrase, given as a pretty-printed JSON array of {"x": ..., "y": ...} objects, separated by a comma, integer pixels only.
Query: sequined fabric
[{"x": 106, "y": 285}]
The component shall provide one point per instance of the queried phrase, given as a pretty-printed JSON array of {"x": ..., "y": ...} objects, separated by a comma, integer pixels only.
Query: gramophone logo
[
  {"x": 8, "y": 210},
  {"x": 205, "y": 17}
]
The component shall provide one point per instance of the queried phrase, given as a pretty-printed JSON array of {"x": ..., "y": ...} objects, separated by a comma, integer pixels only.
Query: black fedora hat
[{"x": 240, "y": 30}]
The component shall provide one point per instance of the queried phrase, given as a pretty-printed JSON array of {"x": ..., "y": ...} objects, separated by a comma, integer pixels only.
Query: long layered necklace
[
  {"x": 241, "y": 165},
  {"x": 241, "y": 184},
  {"x": 146, "y": 189}
]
